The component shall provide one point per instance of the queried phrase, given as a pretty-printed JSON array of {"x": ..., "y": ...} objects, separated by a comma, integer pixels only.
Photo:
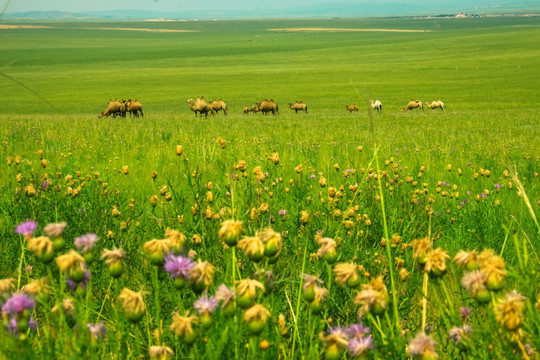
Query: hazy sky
[{"x": 216, "y": 5}]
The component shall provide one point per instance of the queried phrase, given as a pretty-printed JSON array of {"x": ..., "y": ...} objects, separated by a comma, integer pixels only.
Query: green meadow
[{"x": 391, "y": 197}]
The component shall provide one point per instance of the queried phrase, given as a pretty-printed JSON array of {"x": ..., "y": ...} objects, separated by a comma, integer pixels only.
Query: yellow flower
[
  {"x": 160, "y": 352},
  {"x": 36, "y": 288},
  {"x": 275, "y": 158},
  {"x": 42, "y": 247},
  {"x": 372, "y": 298},
  {"x": 283, "y": 331},
  {"x": 493, "y": 267},
  {"x": 7, "y": 286},
  {"x": 327, "y": 250},
  {"x": 112, "y": 256},
  {"x": 272, "y": 242},
  {"x": 176, "y": 238},
  {"x": 253, "y": 247},
  {"x": 421, "y": 247},
  {"x": 201, "y": 275},
  {"x": 304, "y": 217},
  {"x": 467, "y": 259},
  {"x": 132, "y": 304},
  {"x": 182, "y": 326},
  {"x": 256, "y": 317},
  {"x": 348, "y": 274},
  {"x": 247, "y": 291},
  {"x": 157, "y": 249},
  {"x": 55, "y": 230},
  {"x": 436, "y": 262},
  {"x": 72, "y": 261},
  {"x": 230, "y": 231},
  {"x": 178, "y": 150},
  {"x": 509, "y": 311}
]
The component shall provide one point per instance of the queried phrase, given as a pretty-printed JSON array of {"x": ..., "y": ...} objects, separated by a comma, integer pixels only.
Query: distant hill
[{"x": 362, "y": 8}]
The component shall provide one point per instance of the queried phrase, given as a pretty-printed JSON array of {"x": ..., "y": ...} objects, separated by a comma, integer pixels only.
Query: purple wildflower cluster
[
  {"x": 359, "y": 338},
  {"x": 178, "y": 266},
  {"x": 18, "y": 310},
  {"x": 205, "y": 304},
  {"x": 26, "y": 228}
]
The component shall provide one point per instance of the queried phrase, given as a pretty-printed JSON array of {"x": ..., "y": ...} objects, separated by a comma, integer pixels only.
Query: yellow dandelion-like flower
[
  {"x": 336, "y": 342},
  {"x": 112, "y": 256},
  {"x": 55, "y": 230},
  {"x": 71, "y": 261},
  {"x": 132, "y": 303},
  {"x": 275, "y": 158},
  {"x": 436, "y": 262},
  {"x": 182, "y": 326},
  {"x": 202, "y": 274},
  {"x": 272, "y": 241},
  {"x": 304, "y": 217},
  {"x": 494, "y": 268},
  {"x": 36, "y": 287},
  {"x": 156, "y": 249},
  {"x": 230, "y": 231},
  {"x": 7, "y": 286},
  {"x": 253, "y": 247},
  {"x": 248, "y": 287},
  {"x": 327, "y": 249},
  {"x": 348, "y": 274},
  {"x": 298, "y": 169},
  {"x": 475, "y": 284},
  {"x": 283, "y": 330},
  {"x": 40, "y": 246},
  {"x": 373, "y": 297},
  {"x": 509, "y": 311},
  {"x": 256, "y": 317},
  {"x": 160, "y": 352},
  {"x": 421, "y": 247},
  {"x": 467, "y": 259},
  {"x": 176, "y": 238}
]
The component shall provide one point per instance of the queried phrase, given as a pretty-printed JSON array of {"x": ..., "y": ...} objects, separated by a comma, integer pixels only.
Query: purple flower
[
  {"x": 483, "y": 195},
  {"x": 17, "y": 304},
  {"x": 464, "y": 312},
  {"x": 457, "y": 333},
  {"x": 497, "y": 186},
  {"x": 357, "y": 330},
  {"x": 85, "y": 243},
  {"x": 178, "y": 266},
  {"x": 73, "y": 285},
  {"x": 282, "y": 213},
  {"x": 206, "y": 304},
  {"x": 421, "y": 345},
  {"x": 359, "y": 346},
  {"x": 26, "y": 228},
  {"x": 339, "y": 331},
  {"x": 45, "y": 184},
  {"x": 98, "y": 331},
  {"x": 313, "y": 176}
]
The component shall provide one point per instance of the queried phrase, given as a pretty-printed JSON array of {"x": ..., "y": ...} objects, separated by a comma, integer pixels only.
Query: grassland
[{"x": 432, "y": 167}]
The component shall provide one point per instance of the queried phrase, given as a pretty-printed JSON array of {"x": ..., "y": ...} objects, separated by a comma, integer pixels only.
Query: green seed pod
[
  {"x": 179, "y": 282},
  {"x": 309, "y": 294},
  {"x": 157, "y": 258},
  {"x": 116, "y": 269},
  {"x": 76, "y": 275},
  {"x": 58, "y": 244},
  {"x": 205, "y": 321},
  {"x": 255, "y": 327},
  {"x": 245, "y": 301}
]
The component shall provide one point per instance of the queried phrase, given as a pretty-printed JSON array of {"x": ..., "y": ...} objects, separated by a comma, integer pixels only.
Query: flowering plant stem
[{"x": 424, "y": 300}]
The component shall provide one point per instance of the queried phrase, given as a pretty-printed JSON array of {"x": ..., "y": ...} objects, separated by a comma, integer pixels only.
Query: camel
[
  {"x": 351, "y": 108},
  {"x": 246, "y": 110},
  {"x": 413, "y": 104},
  {"x": 376, "y": 105},
  {"x": 199, "y": 106},
  {"x": 254, "y": 109},
  {"x": 299, "y": 105},
  {"x": 435, "y": 104},
  {"x": 114, "y": 108},
  {"x": 219, "y": 105},
  {"x": 268, "y": 106},
  {"x": 134, "y": 108}
]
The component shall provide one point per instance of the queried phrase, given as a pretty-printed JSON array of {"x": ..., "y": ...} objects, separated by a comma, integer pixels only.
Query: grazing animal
[
  {"x": 254, "y": 109},
  {"x": 114, "y": 108},
  {"x": 376, "y": 105},
  {"x": 199, "y": 106},
  {"x": 413, "y": 104},
  {"x": 211, "y": 109},
  {"x": 219, "y": 105},
  {"x": 134, "y": 108},
  {"x": 268, "y": 106},
  {"x": 246, "y": 110},
  {"x": 351, "y": 108},
  {"x": 435, "y": 104},
  {"x": 298, "y": 106}
]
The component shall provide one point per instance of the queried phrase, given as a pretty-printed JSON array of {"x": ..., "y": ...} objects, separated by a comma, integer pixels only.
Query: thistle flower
[
  {"x": 475, "y": 284},
  {"x": 205, "y": 305},
  {"x": 467, "y": 259},
  {"x": 320, "y": 295},
  {"x": 348, "y": 274},
  {"x": 509, "y": 311},
  {"x": 85, "y": 243},
  {"x": 372, "y": 298},
  {"x": 336, "y": 342},
  {"x": 421, "y": 247},
  {"x": 26, "y": 228},
  {"x": 36, "y": 288},
  {"x": 201, "y": 275},
  {"x": 422, "y": 347},
  {"x": 256, "y": 317},
  {"x": 42, "y": 247},
  {"x": 266, "y": 277},
  {"x": 161, "y": 352},
  {"x": 226, "y": 295},
  {"x": 156, "y": 249},
  {"x": 230, "y": 232},
  {"x": 73, "y": 264},
  {"x": 178, "y": 268},
  {"x": 97, "y": 331},
  {"x": 176, "y": 239},
  {"x": 357, "y": 331},
  {"x": 327, "y": 250},
  {"x": 358, "y": 347},
  {"x": 253, "y": 247},
  {"x": 493, "y": 267},
  {"x": 55, "y": 230},
  {"x": 435, "y": 262},
  {"x": 310, "y": 282},
  {"x": 247, "y": 292},
  {"x": 182, "y": 326},
  {"x": 114, "y": 259},
  {"x": 79, "y": 284},
  {"x": 6, "y": 287},
  {"x": 457, "y": 334},
  {"x": 18, "y": 309},
  {"x": 132, "y": 304},
  {"x": 272, "y": 242}
]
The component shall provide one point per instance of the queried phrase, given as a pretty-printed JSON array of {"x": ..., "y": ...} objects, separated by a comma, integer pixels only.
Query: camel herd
[{"x": 200, "y": 107}]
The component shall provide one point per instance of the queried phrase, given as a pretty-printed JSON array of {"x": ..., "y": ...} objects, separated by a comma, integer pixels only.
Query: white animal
[{"x": 376, "y": 105}]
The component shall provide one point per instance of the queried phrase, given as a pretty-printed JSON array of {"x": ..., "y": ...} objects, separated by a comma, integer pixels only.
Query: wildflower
[
  {"x": 283, "y": 330},
  {"x": 73, "y": 264},
  {"x": 422, "y": 347},
  {"x": 436, "y": 262},
  {"x": 348, "y": 274},
  {"x": 304, "y": 217},
  {"x": 467, "y": 259},
  {"x": 457, "y": 334},
  {"x": 178, "y": 150},
  {"x": 230, "y": 232},
  {"x": 226, "y": 295},
  {"x": 282, "y": 213},
  {"x": 55, "y": 230},
  {"x": 372, "y": 298},
  {"x": 176, "y": 239},
  {"x": 26, "y": 228},
  {"x": 160, "y": 352},
  {"x": 253, "y": 247},
  {"x": 85, "y": 244},
  {"x": 205, "y": 306},
  {"x": 310, "y": 282},
  {"x": 42, "y": 247},
  {"x": 421, "y": 247},
  {"x": 247, "y": 291},
  {"x": 36, "y": 288},
  {"x": 319, "y": 298},
  {"x": 256, "y": 317},
  {"x": 327, "y": 250},
  {"x": 18, "y": 308},
  {"x": 182, "y": 326},
  {"x": 178, "y": 268},
  {"x": 403, "y": 274},
  {"x": 475, "y": 284},
  {"x": 132, "y": 304},
  {"x": 272, "y": 242},
  {"x": 464, "y": 313},
  {"x": 358, "y": 347},
  {"x": 157, "y": 249},
  {"x": 336, "y": 342},
  {"x": 97, "y": 331},
  {"x": 493, "y": 267},
  {"x": 201, "y": 275},
  {"x": 275, "y": 158},
  {"x": 322, "y": 181},
  {"x": 357, "y": 331},
  {"x": 509, "y": 311},
  {"x": 6, "y": 287},
  {"x": 114, "y": 259},
  {"x": 79, "y": 284}
]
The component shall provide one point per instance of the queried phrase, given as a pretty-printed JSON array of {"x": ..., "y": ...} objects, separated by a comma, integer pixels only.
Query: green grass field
[{"x": 465, "y": 178}]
